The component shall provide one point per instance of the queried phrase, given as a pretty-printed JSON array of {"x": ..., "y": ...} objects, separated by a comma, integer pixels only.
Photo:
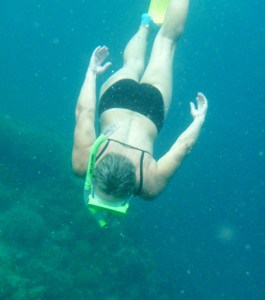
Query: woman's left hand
[{"x": 202, "y": 105}]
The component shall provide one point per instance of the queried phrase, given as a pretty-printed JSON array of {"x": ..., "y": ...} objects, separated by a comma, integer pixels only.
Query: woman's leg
[
  {"x": 133, "y": 59},
  {"x": 159, "y": 70}
]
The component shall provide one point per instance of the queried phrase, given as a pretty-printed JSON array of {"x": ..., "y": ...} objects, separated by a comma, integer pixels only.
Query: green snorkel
[
  {"x": 92, "y": 159},
  {"x": 90, "y": 171},
  {"x": 98, "y": 207}
]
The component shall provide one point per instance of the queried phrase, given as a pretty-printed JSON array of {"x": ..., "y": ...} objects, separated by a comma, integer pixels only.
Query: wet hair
[{"x": 115, "y": 175}]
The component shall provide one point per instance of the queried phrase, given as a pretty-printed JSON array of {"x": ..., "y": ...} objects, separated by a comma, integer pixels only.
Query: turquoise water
[{"x": 203, "y": 238}]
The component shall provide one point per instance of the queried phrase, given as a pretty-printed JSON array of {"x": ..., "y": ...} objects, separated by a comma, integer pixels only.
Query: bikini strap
[
  {"x": 103, "y": 150},
  {"x": 139, "y": 190},
  {"x": 132, "y": 147}
]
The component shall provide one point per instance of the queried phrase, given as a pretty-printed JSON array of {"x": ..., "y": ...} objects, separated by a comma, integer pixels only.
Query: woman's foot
[{"x": 148, "y": 22}]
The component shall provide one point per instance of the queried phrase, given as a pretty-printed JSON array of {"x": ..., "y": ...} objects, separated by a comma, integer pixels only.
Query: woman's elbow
[
  {"x": 79, "y": 170},
  {"x": 79, "y": 165}
]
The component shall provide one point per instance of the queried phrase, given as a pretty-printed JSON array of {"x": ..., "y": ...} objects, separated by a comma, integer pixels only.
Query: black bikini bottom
[{"x": 139, "y": 97}]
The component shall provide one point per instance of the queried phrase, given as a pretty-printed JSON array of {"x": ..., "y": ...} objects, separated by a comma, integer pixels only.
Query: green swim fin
[{"x": 157, "y": 10}]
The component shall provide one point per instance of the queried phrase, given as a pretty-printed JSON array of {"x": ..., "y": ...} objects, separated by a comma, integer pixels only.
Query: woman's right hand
[{"x": 98, "y": 57}]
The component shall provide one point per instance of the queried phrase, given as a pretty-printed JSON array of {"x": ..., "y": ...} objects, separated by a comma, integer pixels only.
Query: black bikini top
[{"x": 139, "y": 190}]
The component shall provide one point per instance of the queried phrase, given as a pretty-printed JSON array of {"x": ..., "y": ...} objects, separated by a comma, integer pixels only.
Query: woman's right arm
[{"x": 84, "y": 133}]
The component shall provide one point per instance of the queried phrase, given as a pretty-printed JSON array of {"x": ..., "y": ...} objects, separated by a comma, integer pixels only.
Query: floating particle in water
[{"x": 226, "y": 233}]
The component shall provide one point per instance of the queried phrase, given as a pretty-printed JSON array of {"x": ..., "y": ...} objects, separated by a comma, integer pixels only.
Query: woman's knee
[{"x": 171, "y": 34}]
